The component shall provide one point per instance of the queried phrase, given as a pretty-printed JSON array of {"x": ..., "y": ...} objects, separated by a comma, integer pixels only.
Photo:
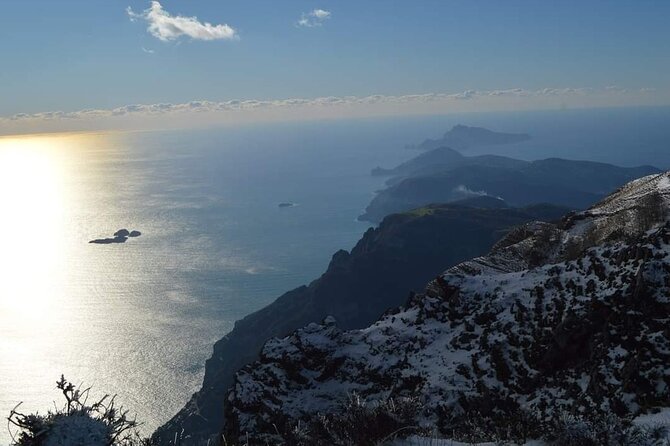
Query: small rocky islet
[{"x": 120, "y": 236}]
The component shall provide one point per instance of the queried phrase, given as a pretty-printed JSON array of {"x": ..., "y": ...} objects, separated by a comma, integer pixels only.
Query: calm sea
[{"x": 139, "y": 319}]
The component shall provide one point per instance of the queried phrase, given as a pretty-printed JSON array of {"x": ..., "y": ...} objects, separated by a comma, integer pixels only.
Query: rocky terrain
[
  {"x": 402, "y": 254},
  {"x": 559, "y": 318}
]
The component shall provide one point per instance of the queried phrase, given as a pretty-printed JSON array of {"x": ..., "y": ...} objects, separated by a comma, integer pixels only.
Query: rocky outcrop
[
  {"x": 558, "y": 318},
  {"x": 120, "y": 236},
  {"x": 402, "y": 254},
  {"x": 122, "y": 233}
]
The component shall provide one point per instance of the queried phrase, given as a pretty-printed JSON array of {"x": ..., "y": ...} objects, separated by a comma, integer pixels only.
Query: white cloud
[
  {"x": 321, "y": 14},
  {"x": 196, "y": 113},
  {"x": 166, "y": 27},
  {"x": 483, "y": 96},
  {"x": 314, "y": 18},
  {"x": 464, "y": 190},
  {"x": 148, "y": 51}
]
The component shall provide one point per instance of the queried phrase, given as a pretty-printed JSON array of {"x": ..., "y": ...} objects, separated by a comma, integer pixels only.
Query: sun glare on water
[{"x": 33, "y": 222}]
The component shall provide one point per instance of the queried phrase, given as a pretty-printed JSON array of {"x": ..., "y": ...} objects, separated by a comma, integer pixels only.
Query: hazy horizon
[{"x": 100, "y": 65}]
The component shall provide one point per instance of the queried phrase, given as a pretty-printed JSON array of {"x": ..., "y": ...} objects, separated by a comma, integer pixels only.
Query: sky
[{"x": 81, "y": 64}]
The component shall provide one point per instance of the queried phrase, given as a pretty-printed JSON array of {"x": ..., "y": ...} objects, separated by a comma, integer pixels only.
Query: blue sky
[{"x": 71, "y": 55}]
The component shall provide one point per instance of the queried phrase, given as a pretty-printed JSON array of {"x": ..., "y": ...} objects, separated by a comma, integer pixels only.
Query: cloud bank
[
  {"x": 314, "y": 18},
  {"x": 198, "y": 113},
  {"x": 166, "y": 27}
]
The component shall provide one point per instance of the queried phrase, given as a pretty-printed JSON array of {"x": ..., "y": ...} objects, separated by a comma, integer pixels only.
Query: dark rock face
[
  {"x": 573, "y": 184},
  {"x": 537, "y": 326},
  {"x": 404, "y": 253}
]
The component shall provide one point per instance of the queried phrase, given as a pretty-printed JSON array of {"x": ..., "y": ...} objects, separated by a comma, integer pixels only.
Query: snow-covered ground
[
  {"x": 527, "y": 329},
  {"x": 425, "y": 441}
]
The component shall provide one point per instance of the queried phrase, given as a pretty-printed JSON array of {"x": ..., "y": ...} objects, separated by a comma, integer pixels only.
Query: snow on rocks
[{"x": 537, "y": 327}]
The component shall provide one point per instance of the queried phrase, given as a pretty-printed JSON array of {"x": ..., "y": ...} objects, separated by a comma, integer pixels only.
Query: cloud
[
  {"x": 462, "y": 189},
  {"x": 203, "y": 112},
  {"x": 147, "y": 50},
  {"x": 235, "y": 105},
  {"x": 314, "y": 18},
  {"x": 166, "y": 27}
]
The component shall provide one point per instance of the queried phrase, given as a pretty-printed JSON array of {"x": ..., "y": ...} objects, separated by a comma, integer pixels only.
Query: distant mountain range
[
  {"x": 557, "y": 333},
  {"x": 442, "y": 159},
  {"x": 402, "y": 254},
  {"x": 463, "y": 137},
  {"x": 444, "y": 175}
]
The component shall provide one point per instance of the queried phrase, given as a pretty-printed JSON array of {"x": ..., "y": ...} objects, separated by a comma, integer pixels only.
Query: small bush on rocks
[
  {"x": 77, "y": 423},
  {"x": 358, "y": 423}
]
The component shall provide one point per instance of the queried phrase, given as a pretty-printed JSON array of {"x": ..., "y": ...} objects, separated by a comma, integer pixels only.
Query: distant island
[
  {"x": 444, "y": 175},
  {"x": 120, "y": 236},
  {"x": 463, "y": 137}
]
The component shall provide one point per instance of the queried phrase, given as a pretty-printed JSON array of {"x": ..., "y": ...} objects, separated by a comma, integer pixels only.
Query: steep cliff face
[
  {"x": 558, "y": 318},
  {"x": 402, "y": 254}
]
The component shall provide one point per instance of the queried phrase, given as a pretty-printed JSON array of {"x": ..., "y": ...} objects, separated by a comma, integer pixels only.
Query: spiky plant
[{"x": 77, "y": 423}]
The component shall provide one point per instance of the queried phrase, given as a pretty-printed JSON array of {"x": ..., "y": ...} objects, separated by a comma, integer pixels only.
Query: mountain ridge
[
  {"x": 402, "y": 254},
  {"x": 463, "y": 137},
  {"x": 571, "y": 183},
  {"x": 563, "y": 318}
]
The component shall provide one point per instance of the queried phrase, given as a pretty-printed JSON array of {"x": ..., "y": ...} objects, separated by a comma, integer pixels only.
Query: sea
[{"x": 138, "y": 319}]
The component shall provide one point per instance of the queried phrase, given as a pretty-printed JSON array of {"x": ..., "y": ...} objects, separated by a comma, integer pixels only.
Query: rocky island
[
  {"x": 463, "y": 137},
  {"x": 120, "y": 236}
]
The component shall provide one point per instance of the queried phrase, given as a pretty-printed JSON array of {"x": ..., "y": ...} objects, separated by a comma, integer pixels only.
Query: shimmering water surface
[{"x": 139, "y": 319}]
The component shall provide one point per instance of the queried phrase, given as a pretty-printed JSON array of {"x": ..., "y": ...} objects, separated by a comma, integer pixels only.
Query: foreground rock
[
  {"x": 404, "y": 253},
  {"x": 559, "y": 319}
]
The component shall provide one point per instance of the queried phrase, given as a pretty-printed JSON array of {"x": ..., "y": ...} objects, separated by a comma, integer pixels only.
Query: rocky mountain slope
[
  {"x": 569, "y": 183},
  {"x": 402, "y": 254},
  {"x": 568, "y": 318}
]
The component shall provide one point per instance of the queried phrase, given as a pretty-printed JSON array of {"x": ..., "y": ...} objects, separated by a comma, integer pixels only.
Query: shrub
[
  {"x": 606, "y": 430},
  {"x": 359, "y": 423},
  {"x": 77, "y": 423}
]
